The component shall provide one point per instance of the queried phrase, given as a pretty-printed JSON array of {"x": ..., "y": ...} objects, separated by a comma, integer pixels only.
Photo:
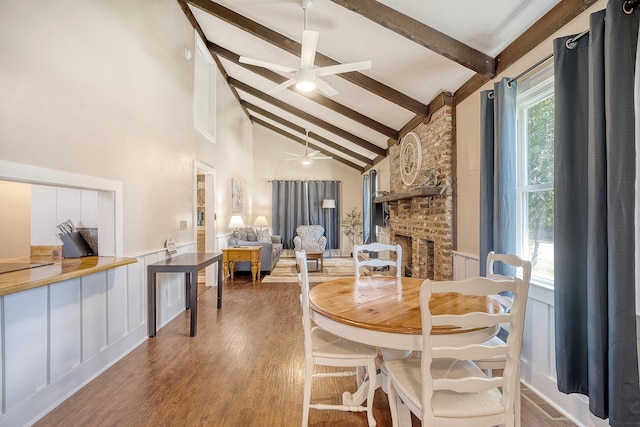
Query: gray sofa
[{"x": 271, "y": 247}]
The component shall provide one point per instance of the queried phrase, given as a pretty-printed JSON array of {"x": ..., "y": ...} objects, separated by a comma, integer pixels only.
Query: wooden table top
[
  {"x": 389, "y": 304},
  {"x": 60, "y": 270}
]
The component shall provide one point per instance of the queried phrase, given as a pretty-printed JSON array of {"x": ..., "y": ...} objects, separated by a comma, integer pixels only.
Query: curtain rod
[{"x": 570, "y": 44}]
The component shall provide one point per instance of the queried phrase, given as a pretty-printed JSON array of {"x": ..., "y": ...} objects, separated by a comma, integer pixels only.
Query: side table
[
  {"x": 189, "y": 264},
  {"x": 243, "y": 253}
]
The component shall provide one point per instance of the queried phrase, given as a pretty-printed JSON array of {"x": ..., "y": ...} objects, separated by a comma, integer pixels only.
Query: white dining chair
[
  {"x": 444, "y": 387},
  {"x": 498, "y": 362},
  {"x": 362, "y": 258},
  {"x": 325, "y": 349}
]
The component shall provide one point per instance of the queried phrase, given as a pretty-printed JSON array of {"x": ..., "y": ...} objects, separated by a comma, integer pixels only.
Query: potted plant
[{"x": 352, "y": 226}]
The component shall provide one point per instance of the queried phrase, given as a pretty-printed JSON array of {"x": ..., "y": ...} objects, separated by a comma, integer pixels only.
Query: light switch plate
[{"x": 183, "y": 225}]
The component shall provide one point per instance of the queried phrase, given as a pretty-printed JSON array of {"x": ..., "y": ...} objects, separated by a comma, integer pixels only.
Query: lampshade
[
  {"x": 328, "y": 204},
  {"x": 236, "y": 222},
  {"x": 261, "y": 220}
]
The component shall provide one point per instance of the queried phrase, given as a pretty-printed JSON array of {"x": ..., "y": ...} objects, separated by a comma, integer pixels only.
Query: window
[
  {"x": 204, "y": 91},
  {"x": 534, "y": 189}
]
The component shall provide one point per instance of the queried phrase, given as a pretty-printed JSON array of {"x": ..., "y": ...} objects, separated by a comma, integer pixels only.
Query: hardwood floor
[{"x": 244, "y": 368}]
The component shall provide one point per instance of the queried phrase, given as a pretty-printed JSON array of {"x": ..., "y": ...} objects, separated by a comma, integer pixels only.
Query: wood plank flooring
[{"x": 244, "y": 368}]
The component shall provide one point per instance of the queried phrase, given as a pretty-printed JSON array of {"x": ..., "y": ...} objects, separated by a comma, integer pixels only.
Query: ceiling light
[
  {"x": 306, "y": 162},
  {"x": 305, "y": 86},
  {"x": 306, "y": 80}
]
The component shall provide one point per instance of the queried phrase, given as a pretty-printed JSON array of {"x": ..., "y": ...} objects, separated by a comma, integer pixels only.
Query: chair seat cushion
[
  {"x": 325, "y": 344},
  {"x": 445, "y": 403}
]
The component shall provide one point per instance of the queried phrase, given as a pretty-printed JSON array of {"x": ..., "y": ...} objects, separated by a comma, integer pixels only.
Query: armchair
[{"x": 310, "y": 238}]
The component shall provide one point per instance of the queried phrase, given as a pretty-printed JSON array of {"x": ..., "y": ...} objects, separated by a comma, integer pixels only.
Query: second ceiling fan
[
  {"x": 309, "y": 156},
  {"x": 307, "y": 76}
]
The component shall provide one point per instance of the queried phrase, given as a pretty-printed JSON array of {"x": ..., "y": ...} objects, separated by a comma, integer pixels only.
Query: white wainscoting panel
[
  {"x": 65, "y": 325},
  {"x": 25, "y": 344},
  {"x": 116, "y": 304},
  {"x": 94, "y": 315},
  {"x": 464, "y": 265}
]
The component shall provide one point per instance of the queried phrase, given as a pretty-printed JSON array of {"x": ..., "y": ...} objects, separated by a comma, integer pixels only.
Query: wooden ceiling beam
[
  {"x": 300, "y": 129},
  {"x": 308, "y": 117},
  {"x": 322, "y": 100},
  {"x": 423, "y": 35},
  {"x": 288, "y": 135},
  {"x": 321, "y": 60},
  {"x": 556, "y": 18}
]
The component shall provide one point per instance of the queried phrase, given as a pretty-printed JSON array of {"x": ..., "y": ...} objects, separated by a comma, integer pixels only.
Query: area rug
[{"x": 334, "y": 268}]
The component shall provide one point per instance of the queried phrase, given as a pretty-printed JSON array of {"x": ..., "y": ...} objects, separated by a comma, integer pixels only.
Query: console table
[
  {"x": 189, "y": 264},
  {"x": 243, "y": 253}
]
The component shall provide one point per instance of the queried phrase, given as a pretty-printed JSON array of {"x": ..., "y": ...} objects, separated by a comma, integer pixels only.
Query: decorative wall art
[
  {"x": 237, "y": 195},
  {"x": 410, "y": 157}
]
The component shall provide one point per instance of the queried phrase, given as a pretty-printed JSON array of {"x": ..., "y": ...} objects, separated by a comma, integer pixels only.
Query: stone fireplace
[{"x": 422, "y": 214}]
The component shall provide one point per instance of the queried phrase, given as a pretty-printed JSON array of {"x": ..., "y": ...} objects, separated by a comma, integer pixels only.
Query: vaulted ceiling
[{"x": 424, "y": 54}]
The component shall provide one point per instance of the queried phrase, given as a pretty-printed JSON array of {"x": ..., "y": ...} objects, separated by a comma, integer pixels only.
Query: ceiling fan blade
[
  {"x": 343, "y": 68},
  {"x": 309, "y": 45},
  {"x": 325, "y": 88},
  {"x": 281, "y": 87},
  {"x": 294, "y": 154},
  {"x": 313, "y": 153},
  {"x": 265, "y": 64},
  {"x": 323, "y": 158}
]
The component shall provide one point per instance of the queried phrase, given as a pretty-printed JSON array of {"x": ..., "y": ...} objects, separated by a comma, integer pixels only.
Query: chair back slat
[
  {"x": 469, "y": 382},
  {"x": 362, "y": 260}
]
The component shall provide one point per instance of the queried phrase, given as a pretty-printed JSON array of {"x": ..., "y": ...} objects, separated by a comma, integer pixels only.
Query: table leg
[
  {"x": 193, "y": 287},
  {"x": 360, "y": 395},
  {"x": 232, "y": 267},
  {"x": 187, "y": 291},
  {"x": 151, "y": 304},
  {"x": 322, "y": 262},
  {"x": 220, "y": 283},
  {"x": 254, "y": 272}
]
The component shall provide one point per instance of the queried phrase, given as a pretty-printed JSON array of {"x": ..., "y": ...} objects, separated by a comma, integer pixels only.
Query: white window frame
[
  {"x": 204, "y": 90},
  {"x": 530, "y": 92}
]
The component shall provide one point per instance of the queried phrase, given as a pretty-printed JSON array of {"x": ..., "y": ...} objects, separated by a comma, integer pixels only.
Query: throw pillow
[
  {"x": 251, "y": 235},
  {"x": 263, "y": 235},
  {"x": 243, "y": 234}
]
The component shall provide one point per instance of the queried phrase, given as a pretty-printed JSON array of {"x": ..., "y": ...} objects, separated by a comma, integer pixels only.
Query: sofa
[{"x": 271, "y": 247}]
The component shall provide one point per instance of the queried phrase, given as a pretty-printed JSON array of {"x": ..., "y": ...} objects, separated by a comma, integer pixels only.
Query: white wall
[{"x": 104, "y": 89}]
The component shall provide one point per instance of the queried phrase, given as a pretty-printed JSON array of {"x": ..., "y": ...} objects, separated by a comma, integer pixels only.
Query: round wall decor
[{"x": 410, "y": 157}]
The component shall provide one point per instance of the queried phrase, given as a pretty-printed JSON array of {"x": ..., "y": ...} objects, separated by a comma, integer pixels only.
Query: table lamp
[
  {"x": 261, "y": 220},
  {"x": 329, "y": 204},
  {"x": 236, "y": 222}
]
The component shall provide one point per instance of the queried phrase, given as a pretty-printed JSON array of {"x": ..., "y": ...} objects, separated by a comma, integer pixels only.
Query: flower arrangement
[{"x": 352, "y": 225}]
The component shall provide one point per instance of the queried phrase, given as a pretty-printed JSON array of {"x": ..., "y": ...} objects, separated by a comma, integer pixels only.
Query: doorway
[{"x": 205, "y": 218}]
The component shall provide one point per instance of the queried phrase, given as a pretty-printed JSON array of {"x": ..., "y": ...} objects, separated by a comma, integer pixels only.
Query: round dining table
[{"x": 384, "y": 311}]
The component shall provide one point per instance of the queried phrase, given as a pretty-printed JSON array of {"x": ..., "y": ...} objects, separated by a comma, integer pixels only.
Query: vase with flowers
[{"x": 352, "y": 226}]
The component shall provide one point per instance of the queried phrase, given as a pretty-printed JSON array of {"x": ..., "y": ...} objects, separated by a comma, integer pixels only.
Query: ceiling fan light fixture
[
  {"x": 306, "y": 86},
  {"x": 306, "y": 161},
  {"x": 305, "y": 80}
]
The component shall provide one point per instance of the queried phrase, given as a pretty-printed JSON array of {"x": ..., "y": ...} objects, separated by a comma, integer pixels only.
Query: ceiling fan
[
  {"x": 309, "y": 156},
  {"x": 307, "y": 76}
]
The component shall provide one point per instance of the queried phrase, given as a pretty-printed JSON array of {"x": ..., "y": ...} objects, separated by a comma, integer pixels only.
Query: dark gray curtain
[
  {"x": 595, "y": 325},
  {"x": 366, "y": 209},
  {"x": 289, "y": 209},
  {"x": 328, "y": 218},
  {"x": 498, "y": 171},
  {"x": 295, "y": 203}
]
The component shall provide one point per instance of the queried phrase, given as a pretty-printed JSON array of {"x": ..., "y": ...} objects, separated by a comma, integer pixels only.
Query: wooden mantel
[{"x": 414, "y": 192}]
